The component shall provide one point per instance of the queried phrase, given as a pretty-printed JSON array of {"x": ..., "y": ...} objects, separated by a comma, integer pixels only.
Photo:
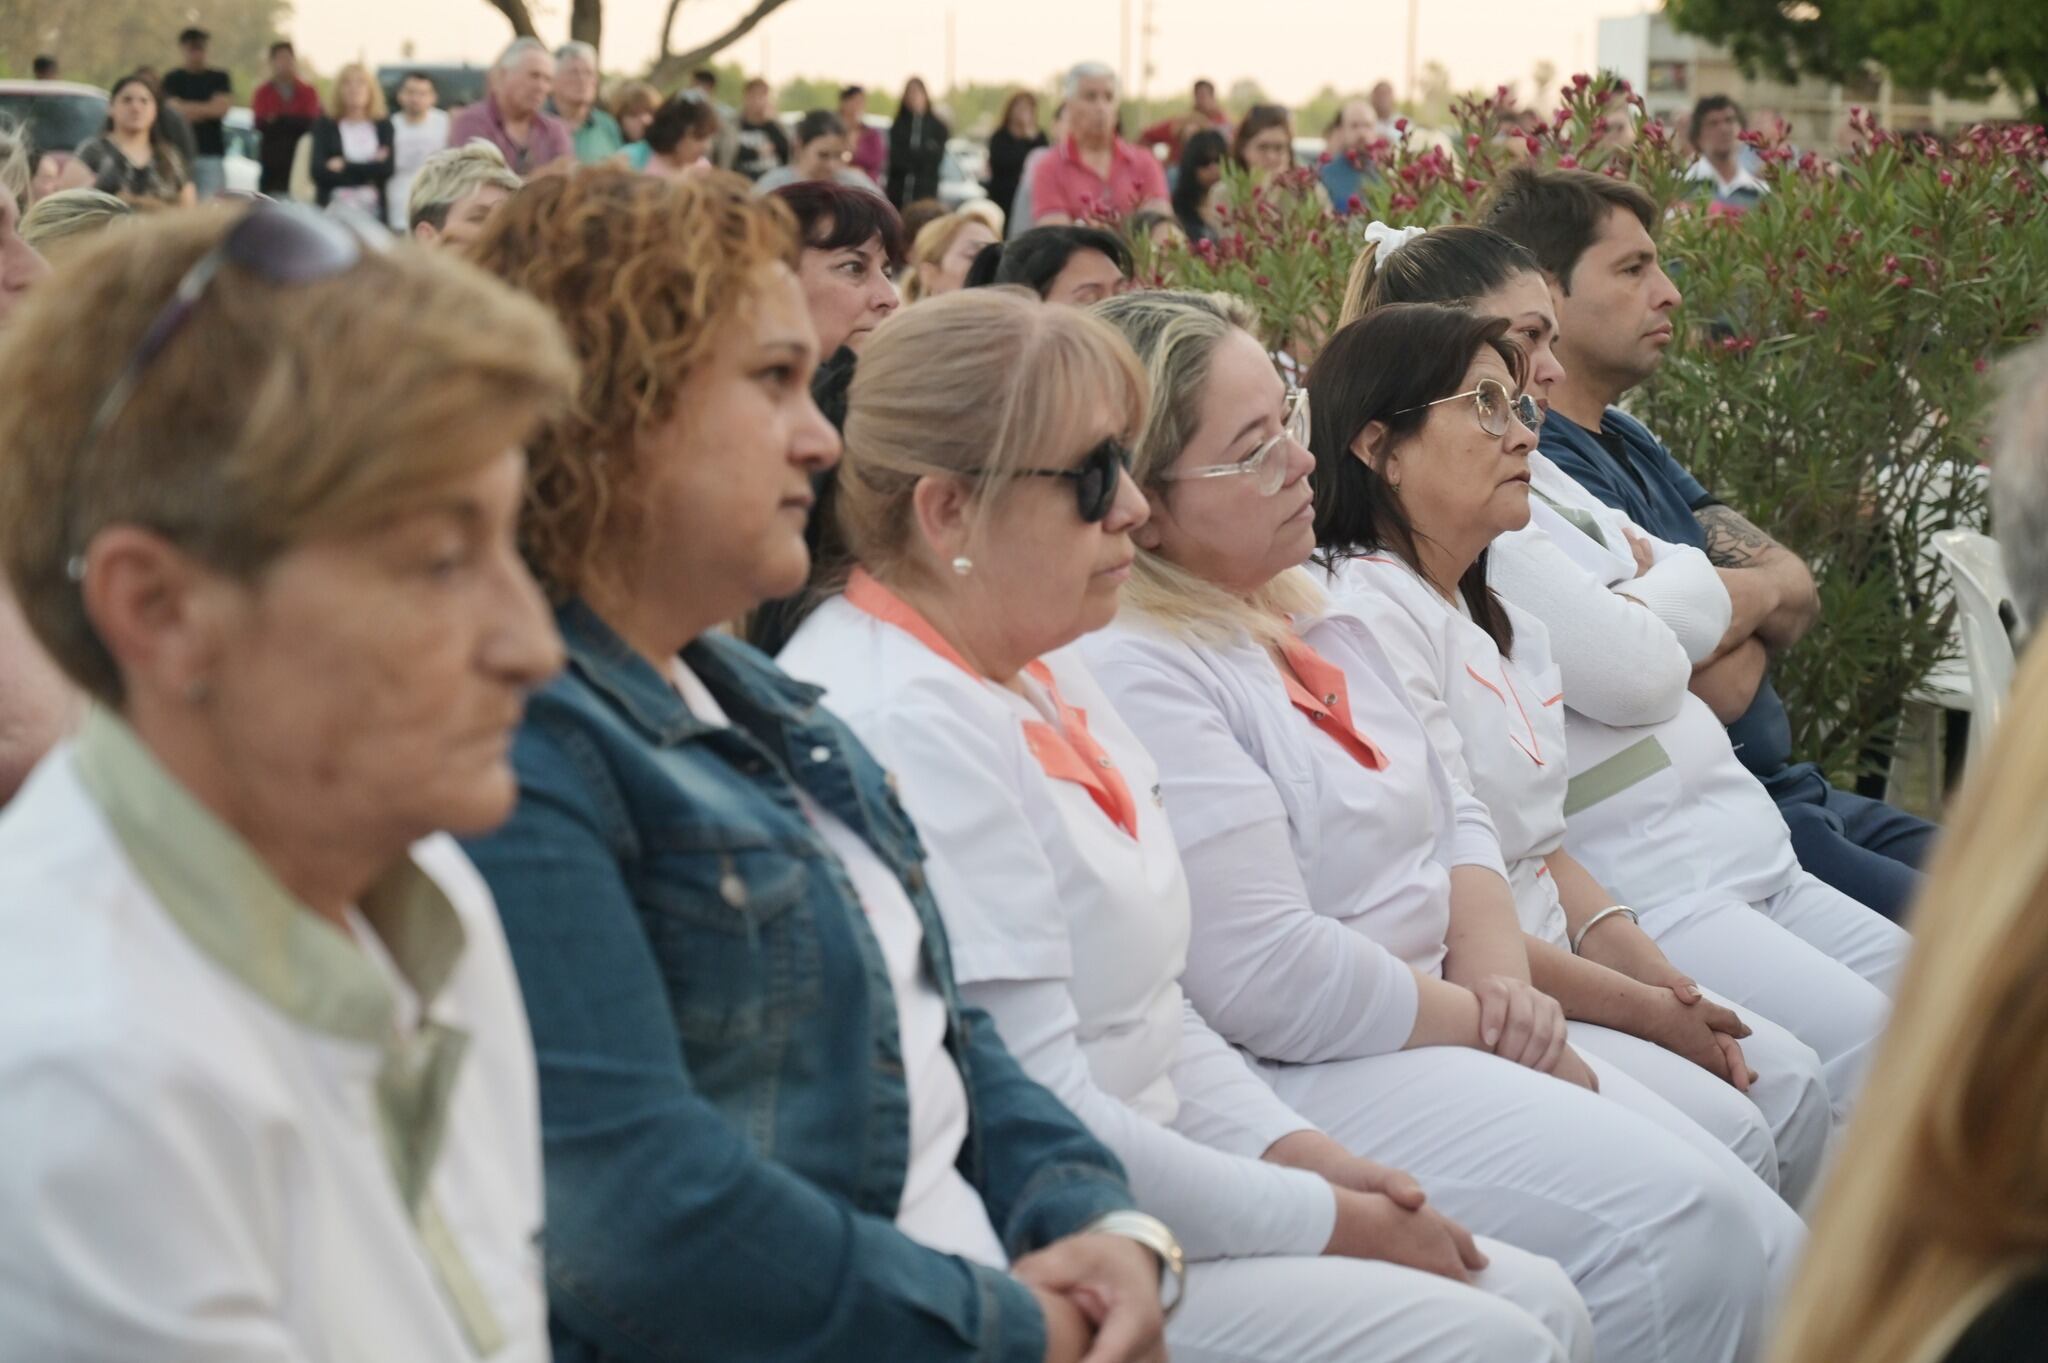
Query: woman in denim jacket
[{"x": 771, "y": 1130}]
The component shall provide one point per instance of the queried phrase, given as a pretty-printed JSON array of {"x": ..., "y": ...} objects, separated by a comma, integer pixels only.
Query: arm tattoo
[{"x": 1732, "y": 541}]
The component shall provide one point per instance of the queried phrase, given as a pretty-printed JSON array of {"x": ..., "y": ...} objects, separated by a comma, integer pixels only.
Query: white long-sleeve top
[
  {"x": 1498, "y": 725},
  {"x": 1621, "y": 663},
  {"x": 1071, "y": 932},
  {"x": 1321, "y": 887},
  {"x": 1660, "y": 809}
]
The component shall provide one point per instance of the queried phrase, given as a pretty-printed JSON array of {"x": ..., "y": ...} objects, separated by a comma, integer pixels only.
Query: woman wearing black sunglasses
[{"x": 989, "y": 543}]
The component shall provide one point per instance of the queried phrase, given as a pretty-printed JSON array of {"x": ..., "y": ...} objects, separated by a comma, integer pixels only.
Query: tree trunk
[
  {"x": 673, "y": 68},
  {"x": 586, "y": 23},
  {"x": 516, "y": 12}
]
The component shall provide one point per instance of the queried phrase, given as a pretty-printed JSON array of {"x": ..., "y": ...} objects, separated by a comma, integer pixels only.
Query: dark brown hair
[
  {"x": 1256, "y": 120},
  {"x": 832, "y": 217},
  {"x": 1387, "y": 367},
  {"x": 1556, "y": 214}
]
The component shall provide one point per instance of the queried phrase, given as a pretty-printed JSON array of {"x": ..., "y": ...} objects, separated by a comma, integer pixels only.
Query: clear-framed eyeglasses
[
  {"x": 1261, "y": 464},
  {"x": 1495, "y": 405}
]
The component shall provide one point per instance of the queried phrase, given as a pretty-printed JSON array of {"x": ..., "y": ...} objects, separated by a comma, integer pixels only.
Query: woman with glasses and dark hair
[
  {"x": 1410, "y": 493},
  {"x": 773, "y": 1130},
  {"x": 270, "y": 1085},
  {"x": 1659, "y": 809},
  {"x": 134, "y": 157},
  {"x": 1263, "y": 144},
  {"x": 1067, "y": 264},
  {"x": 983, "y": 545},
  {"x": 1347, "y": 895}
]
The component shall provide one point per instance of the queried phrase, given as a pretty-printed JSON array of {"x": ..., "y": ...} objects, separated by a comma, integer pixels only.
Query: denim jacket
[{"x": 722, "y": 1087}]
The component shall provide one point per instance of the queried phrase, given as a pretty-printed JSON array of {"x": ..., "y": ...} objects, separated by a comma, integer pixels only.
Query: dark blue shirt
[{"x": 1629, "y": 469}]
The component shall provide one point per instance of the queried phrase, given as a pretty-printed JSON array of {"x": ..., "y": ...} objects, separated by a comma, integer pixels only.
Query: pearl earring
[{"x": 963, "y": 565}]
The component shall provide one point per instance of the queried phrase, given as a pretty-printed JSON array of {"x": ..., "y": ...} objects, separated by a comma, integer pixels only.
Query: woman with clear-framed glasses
[
  {"x": 1412, "y": 496},
  {"x": 1348, "y": 898}
]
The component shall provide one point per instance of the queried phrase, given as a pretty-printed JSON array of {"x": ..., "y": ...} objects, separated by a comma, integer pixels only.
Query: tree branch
[
  {"x": 672, "y": 67},
  {"x": 516, "y": 12}
]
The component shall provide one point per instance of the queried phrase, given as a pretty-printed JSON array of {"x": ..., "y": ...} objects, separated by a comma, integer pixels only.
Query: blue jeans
[{"x": 1865, "y": 848}]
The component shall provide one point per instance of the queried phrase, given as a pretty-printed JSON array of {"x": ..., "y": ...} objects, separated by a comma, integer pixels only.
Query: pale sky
[{"x": 1294, "y": 47}]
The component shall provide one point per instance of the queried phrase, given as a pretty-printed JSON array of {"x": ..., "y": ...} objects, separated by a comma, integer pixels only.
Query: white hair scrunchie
[{"x": 1389, "y": 240}]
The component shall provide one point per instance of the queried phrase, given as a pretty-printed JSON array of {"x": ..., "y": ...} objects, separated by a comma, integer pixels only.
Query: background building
[{"x": 1673, "y": 69}]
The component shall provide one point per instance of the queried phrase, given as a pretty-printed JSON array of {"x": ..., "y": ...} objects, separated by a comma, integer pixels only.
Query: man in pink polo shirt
[{"x": 1095, "y": 176}]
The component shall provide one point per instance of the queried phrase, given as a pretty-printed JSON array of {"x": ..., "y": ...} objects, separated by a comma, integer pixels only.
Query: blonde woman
[
  {"x": 1347, "y": 896},
  {"x": 1932, "y": 1238},
  {"x": 270, "y": 1085},
  {"x": 352, "y": 145},
  {"x": 942, "y": 253},
  {"x": 60, "y": 221},
  {"x": 634, "y": 105},
  {"x": 986, "y": 545}
]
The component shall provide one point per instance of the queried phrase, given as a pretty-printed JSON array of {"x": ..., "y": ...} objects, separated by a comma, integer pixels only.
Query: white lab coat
[
  {"x": 1499, "y": 724},
  {"x": 1677, "y": 1253},
  {"x": 1072, "y": 934}
]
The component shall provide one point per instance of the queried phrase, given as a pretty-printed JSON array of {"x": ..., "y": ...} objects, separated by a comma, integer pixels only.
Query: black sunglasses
[
  {"x": 1095, "y": 477},
  {"x": 278, "y": 243}
]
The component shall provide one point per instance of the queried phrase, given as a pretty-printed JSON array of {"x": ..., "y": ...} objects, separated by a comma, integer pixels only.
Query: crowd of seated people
[{"x": 627, "y": 794}]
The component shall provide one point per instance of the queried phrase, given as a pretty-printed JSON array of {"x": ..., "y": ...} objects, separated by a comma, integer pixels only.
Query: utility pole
[
  {"x": 1145, "y": 31},
  {"x": 1123, "y": 48},
  {"x": 952, "y": 24},
  {"x": 1414, "y": 20}
]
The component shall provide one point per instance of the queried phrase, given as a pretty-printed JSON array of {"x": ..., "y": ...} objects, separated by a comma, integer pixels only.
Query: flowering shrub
[{"x": 1828, "y": 376}]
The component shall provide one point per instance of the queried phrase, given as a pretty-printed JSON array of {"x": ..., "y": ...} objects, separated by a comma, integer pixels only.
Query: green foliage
[
  {"x": 1961, "y": 46},
  {"x": 1828, "y": 378}
]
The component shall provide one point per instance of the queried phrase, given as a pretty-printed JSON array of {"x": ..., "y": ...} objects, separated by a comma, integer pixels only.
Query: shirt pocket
[{"x": 739, "y": 947}]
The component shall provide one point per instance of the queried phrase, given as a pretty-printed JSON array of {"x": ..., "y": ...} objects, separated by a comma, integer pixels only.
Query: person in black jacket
[
  {"x": 917, "y": 145},
  {"x": 1015, "y": 138},
  {"x": 351, "y": 155}
]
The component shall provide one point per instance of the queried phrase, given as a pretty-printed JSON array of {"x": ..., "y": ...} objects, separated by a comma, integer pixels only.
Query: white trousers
[
  {"x": 1780, "y": 1129},
  {"x": 1809, "y": 958},
  {"x": 1521, "y": 1308},
  {"x": 1676, "y": 1260}
]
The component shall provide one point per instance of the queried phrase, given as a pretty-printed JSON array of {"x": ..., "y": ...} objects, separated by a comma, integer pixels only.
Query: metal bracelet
[
  {"x": 1153, "y": 1234},
  {"x": 1594, "y": 922}
]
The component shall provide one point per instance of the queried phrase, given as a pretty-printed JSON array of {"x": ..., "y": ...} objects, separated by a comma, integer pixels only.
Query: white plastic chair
[{"x": 1978, "y": 573}]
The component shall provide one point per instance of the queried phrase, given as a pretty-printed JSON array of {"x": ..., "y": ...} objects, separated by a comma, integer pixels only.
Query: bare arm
[
  {"x": 1770, "y": 588},
  {"x": 1729, "y": 683},
  {"x": 1484, "y": 938}
]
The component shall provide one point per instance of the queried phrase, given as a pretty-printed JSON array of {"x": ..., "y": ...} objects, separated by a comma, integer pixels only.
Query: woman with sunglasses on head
[
  {"x": 1410, "y": 492},
  {"x": 270, "y": 1085},
  {"x": 1661, "y": 810},
  {"x": 983, "y": 546},
  {"x": 772, "y": 1130},
  {"x": 1342, "y": 886}
]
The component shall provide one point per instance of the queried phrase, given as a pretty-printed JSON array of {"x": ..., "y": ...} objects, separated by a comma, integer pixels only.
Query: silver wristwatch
[{"x": 1152, "y": 1233}]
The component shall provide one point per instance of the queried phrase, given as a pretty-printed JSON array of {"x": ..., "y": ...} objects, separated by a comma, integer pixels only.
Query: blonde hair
[
  {"x": 1937, "y": 1199},
  {"x": 645, "y": 274},
  {"x": 320, "y": 433},
  {"x": 376, "y": 110},
  {"x": 57, "y": 219},
  {"x": 972, "y": 385},
  {"x": 1175, "y": 336},
  {"x": 453, "y": 174},
  {"x": 934, "y": 239}
]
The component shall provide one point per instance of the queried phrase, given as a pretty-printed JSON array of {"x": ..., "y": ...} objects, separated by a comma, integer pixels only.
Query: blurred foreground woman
[
  {"x": 1932, "y": 1238},
  {"x": 269, "y": 1089}
]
